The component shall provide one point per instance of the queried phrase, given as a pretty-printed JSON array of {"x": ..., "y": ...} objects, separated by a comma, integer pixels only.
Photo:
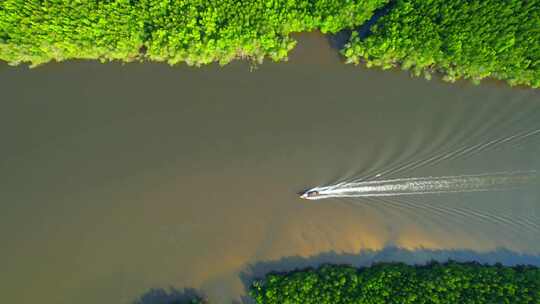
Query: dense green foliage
[
  {"x": 399, "y": 283},
  {"x": 460, "y": 38},
  {"x": 192, "y": 31},
  {"x": 38, "y": 31},
  {"x": 202, "y": 31}
]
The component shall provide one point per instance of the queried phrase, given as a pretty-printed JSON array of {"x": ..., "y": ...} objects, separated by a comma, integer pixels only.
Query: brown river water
[{"x": 116, "y": 179}]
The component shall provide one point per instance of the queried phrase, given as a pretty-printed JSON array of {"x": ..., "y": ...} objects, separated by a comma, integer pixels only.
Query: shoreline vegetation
[
  {"x": 192, "y": 31},
  {"x": 458, "y": 39},
  {"x": 435, "y": 283},
  {"x": 469, "y": 39}
]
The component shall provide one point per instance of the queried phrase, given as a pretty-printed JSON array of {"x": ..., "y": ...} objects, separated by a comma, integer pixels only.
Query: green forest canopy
[
  {"x": 460, "y": 38},
  {"x": 192, "y": 31},
  {"x": 434, "y": 283}
]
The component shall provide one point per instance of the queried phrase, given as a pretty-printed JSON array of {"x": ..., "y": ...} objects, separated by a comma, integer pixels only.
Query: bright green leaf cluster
[
  {"x": 38, "y": 31},
  {"x": 434, "y": 283},
  {"x": 204, "y": 31},
  {"x": 192, "y": 31},
  {"x": 470, "y": 39}
]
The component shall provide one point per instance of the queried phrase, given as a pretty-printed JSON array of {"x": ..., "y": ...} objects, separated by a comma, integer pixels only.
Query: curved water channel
[{"x": 118, "y": 178}]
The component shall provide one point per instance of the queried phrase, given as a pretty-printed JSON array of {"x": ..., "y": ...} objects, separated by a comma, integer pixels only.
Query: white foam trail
[{"x": 427, "y": 185}]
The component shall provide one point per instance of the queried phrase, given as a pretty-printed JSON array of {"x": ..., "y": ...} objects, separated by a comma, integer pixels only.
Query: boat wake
[
  {"x": 425, "y": 185},
  {"x": 373, "y": 184}
]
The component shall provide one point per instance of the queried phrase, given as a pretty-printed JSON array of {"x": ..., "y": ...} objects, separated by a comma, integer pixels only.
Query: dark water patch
[
  {"x": 171, "y": 296},
  {"x": 339, "y": 39}
]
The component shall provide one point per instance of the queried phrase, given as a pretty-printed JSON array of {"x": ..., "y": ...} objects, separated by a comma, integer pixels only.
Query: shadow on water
[
  {"x": 339, "y": 39},
  {"x": 363, "y": 259},
  {"x": 170, "y": 296},
  {"x": 389, "y": 254}
]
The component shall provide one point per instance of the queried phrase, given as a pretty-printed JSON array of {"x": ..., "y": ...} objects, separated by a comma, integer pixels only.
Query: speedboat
[{"x": 310, "y": 194}]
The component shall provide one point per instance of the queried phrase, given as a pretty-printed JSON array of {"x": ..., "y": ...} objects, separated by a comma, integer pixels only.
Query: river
[{"x": 115, "y": 179}]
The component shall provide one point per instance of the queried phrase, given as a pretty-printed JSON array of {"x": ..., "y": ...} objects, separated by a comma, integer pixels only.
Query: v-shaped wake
[{"x": 424, "y": 185}]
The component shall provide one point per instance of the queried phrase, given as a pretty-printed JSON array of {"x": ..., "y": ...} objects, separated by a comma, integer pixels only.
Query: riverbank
[
  {"x": 459, "y": 39},
  {"x": 195, "y": 32},
  {"x": 447, "y": 283},
  {"x": 399, "y": 283}
]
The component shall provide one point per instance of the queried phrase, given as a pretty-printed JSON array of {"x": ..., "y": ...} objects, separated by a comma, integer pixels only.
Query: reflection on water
[{"x": 121, "y": 178}]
